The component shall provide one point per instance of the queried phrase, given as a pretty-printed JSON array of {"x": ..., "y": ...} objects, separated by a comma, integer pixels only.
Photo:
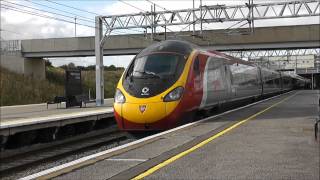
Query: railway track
[{"x": 13, "y": 161}]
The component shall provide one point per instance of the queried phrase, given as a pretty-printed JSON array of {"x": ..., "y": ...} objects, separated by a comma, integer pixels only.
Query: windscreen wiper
[{"x": 149, "y": 73}]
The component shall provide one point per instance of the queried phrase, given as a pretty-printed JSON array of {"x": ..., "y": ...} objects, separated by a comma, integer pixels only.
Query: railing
[
  {"x": 10, "y": 47},
  {"x": 308, "y": 71}
]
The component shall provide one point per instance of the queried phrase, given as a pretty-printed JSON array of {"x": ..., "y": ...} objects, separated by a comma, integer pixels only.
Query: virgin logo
[
  {"x": 145, "y": 91},
  {"x": 142, "y": 108}
]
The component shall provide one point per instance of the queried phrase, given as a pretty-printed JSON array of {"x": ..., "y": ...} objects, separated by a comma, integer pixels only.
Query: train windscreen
[
  {"x": 156, "y": 65},
  {"x": 156, "y": 71}
]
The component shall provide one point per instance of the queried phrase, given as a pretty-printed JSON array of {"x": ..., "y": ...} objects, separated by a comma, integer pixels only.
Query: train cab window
[
  {"x": 156, "y": 65},
  {"x": 196, "y": 66}
]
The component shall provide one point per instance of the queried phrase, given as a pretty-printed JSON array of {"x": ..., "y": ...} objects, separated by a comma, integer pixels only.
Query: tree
[
  {"x": 47, "y": 63},
  {"x": 71, "y": 66}
]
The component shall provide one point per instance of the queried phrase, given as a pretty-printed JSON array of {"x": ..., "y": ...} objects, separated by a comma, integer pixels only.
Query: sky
[{"x": 18, "y": 23}]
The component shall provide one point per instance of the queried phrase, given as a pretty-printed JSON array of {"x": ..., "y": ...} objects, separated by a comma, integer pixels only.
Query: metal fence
[
  {"x": 10, "y": 47},
  {"x": 308, "y": 71}
]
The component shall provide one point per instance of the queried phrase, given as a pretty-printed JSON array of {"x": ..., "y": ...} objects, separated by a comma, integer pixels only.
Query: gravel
[{"x": 47, "y": 165}]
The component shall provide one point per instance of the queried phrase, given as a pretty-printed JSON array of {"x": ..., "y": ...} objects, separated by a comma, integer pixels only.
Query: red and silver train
[{"x": 170, "y": 80}]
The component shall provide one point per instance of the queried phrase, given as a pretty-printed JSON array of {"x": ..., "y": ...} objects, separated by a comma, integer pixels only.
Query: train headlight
[
  {"x": 119, "y": 97},
  {"x": 174, "y": 94}
]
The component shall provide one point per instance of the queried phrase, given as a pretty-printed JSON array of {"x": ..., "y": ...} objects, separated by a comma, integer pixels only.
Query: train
[{"x": 169, "y": 81}]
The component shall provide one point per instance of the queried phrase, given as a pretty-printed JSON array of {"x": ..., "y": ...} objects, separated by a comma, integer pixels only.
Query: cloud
[{"x": 18, "y": 25}]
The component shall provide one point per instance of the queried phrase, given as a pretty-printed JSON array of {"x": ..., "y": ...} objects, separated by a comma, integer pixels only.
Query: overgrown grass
[
  {"x": 111, "y": 79},
  {"x": 18, "y": 89},
  {"x": 55, "y": 75}
]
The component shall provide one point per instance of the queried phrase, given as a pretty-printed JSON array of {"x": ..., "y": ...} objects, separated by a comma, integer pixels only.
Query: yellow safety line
[{"x": 180, "y": 155}]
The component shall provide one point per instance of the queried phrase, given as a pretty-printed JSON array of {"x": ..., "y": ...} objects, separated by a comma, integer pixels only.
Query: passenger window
[{"x": 196, "y": 65}]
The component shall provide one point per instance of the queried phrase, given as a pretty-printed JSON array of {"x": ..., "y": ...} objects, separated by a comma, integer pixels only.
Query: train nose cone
[
  {"x": 144, "y": 113},
  {"x": 142, "y": 108}
]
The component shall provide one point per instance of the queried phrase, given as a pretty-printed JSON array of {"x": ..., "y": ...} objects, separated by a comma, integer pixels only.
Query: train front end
[{"x": 149, "y": 92}]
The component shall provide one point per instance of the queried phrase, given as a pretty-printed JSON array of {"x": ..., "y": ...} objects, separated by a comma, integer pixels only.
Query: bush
[
  {"x": 111, "y": 79},
  {"x": 20, "y": 89}
]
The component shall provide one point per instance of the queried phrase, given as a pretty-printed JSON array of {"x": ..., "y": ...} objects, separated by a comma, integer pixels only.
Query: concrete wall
[
  {"x": 34, "y": 67},
  {"x": 14, "y": 63}
]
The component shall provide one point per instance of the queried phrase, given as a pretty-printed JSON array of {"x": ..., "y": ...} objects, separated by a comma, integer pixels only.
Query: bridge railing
[
  {"x": 10, "y": 47},
  {"x": 308, "y": 71}
]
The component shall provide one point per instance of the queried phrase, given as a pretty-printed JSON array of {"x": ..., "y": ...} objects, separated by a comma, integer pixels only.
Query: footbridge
[{"x": 282, "y": 37}]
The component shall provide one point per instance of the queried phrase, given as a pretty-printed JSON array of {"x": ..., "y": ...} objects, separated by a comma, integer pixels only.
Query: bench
[
  {"x": 57, "y": 100},
  {"x": 84, "y": 99}
]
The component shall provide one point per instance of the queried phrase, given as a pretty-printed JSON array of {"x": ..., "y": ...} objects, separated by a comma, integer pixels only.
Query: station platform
[
  {"x": 27, "y": 117},
  {"x": 273, "y": 139}
]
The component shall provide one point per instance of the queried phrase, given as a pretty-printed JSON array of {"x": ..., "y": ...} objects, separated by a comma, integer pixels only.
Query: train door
[
  {"x": 194, "y": 86},
  {"x": 281, "y": 83},
  {"x": 229, "y": 90},
  {"x": 260, "y": 80},
  {"x": 214, "y": 82}
]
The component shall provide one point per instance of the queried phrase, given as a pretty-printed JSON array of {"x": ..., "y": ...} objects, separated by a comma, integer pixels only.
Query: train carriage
[{"x": 169, "y": 81}]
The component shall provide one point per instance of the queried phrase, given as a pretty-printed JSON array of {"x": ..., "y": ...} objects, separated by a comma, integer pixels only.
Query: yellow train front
[{"x": 149, "y": 95}]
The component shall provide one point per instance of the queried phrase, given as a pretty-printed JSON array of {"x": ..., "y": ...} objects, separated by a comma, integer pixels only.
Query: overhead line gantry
[{"x": 204, "y": 14}]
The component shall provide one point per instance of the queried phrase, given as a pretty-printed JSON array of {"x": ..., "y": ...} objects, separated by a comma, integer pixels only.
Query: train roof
[
  {"x": 176, "y": 46},
  {"x": 185, "y": 48},
  {"x": 232, "y": 59}
]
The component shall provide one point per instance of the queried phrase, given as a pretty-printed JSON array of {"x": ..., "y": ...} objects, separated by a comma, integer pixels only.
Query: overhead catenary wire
[
  {"x": 94, "y": 12},
  {"x": 89, "y": 11},
  {"x": 207, "y": 28},
  {"x": 81, "y": 10},
  {"x": 157, "y": 5},
  {"x": 161, "y": 8},
  {"x": 90, "y": 21},
  {"x": 67, "y": 16},
  {"x": 40, "y": 15},
  {"x": 233, "y": 30},
  {"x": 8, "y": 7},
  {"x": 234, "y": 25},
  {"x": 132, "y": 6},
  {"x": 55, "y": 18},
  {"x": 77, "y": 15},
  {"x": 72, "y": 7},
  {"x": 86, "y": 10},
  {"x": 5, "y": 30},
  {"x": 175, "y": 32},
  {"x": 139, "y": 10}
]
